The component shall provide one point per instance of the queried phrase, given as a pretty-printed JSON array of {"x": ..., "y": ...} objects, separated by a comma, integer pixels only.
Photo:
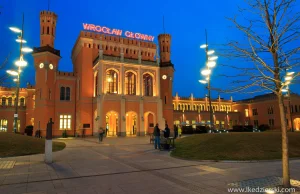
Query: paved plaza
[{"x": 126, "y": 165}]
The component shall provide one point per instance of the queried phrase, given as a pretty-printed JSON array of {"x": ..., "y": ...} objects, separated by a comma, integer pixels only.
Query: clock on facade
[
  {"x": 164, "y": 76},
  {"x": 51, "y": 66},
  {"x": 41, "y": 65}
]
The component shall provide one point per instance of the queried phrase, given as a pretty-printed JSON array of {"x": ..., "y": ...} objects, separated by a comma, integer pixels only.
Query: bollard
[{"x": 48, "y": 142}]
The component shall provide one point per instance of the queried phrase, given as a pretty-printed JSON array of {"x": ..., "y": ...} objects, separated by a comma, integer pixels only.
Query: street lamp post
[
  {"x": 20, "y": 63},
  {"x": 292, "y": 123},
  {"x": 288, "y": 79},
  {"x": 210, "y": 63}
]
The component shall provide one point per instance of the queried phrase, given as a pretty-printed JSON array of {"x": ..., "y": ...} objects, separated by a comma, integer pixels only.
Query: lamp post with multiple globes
[
  {"x": 20, "y": 63},
  {"x": 210, "y": 63},
  {"x": 288, "y": 79}
]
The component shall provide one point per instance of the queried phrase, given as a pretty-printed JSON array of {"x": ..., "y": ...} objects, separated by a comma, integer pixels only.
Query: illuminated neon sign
[{"x": 117, "y": 32}]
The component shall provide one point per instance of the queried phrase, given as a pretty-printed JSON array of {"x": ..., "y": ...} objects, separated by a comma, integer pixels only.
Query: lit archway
[
  {"x": 112, "y": 123},
  {"x": 297, "y": 124},
  {"x": 131, "y": 123},
  {"x": 149, "y": 122}
]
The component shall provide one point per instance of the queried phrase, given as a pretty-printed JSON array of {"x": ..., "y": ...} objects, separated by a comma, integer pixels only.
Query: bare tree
[
  {"x": 3, "y": 75},
  {"x": 270, "y": 46}
]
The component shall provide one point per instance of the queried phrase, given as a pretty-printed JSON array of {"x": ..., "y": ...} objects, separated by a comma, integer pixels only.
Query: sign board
[
  {"x": 117, "y": 32},
  {"x": 15, "y": 115}
]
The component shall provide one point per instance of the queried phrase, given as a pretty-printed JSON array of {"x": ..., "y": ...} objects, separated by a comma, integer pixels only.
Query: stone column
[
  {"x": 157, "y": 83},
  {"x": 100, "y": 99},
  {"x": 141, "y": 131},
  {"x": 160, "y": 119},
  {"x": 122, "y": 131},
  {"x": 140, "y": 84},
  {"x": 100, "y": 79},
  {"x": 122, "y": 79}
]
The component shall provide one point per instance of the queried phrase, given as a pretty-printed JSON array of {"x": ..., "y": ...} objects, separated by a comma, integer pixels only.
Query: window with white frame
[
  {"x": 3, "y": 125},
  {"x": 65, "y": 122}
]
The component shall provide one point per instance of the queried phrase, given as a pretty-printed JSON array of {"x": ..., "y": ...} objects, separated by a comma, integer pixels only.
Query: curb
[{"x": 233, "y": 161}]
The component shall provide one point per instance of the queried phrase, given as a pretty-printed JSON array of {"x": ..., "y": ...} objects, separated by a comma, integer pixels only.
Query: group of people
[{"x": 166, "y": 131}]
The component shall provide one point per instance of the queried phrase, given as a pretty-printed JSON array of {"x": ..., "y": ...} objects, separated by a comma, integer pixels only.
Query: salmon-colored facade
[{"x": 119, "y": 83}]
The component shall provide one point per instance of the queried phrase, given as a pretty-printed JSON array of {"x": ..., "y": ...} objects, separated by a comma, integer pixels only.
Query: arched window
[
  {"x": 68, "y": 93},
  {"x": 148, "y": 84},
  {"x": 22, "y": 101},
  {"x": 9, "y": 101},
  {"x": 130, "y": 83},
  {"x": 48, "y": 30},
  {"x": 43, "y": 30},
  {"x": 3, "y": 101},
  {"x": 126, "y": 51},
  {"x": 112, "y": 81},
  {"x": 96, "y": 85},
  {"x": 62, "y": 93}
]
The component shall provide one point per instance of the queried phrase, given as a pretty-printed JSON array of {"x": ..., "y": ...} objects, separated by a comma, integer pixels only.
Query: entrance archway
[
  {"x": 131, "y": 123},
  {"x": 149, "y": 121},
  {"x": 112, "y": 123},
  {"x": 297, "y": 124}
]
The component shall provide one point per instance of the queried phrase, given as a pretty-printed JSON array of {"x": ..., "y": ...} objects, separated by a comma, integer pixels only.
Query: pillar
[
  {"x": 157, "y": 83},
  {"x": 122, "y": 79},
  {"x": 100, "y": 99},
  {"x": 141, "y": 132},
  {"x": 140, "y": 84},
  {"x": 160, "y": 119},
  {"x": 122, "y": 131}
]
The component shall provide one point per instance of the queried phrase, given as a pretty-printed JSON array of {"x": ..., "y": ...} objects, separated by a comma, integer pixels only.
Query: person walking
[
  {"x": 101, "y": 133},
  {"x": 156, "y": 134},
  {"x": 167, "y": 132},
  {"x": 179, "y": 131},
  {"x": 175, "y": 131}
]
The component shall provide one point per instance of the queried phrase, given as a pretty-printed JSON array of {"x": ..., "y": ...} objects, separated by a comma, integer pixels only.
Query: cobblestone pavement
[{"x": 128, "y": 165}]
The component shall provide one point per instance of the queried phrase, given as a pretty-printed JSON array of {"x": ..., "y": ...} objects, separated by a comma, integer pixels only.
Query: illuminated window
[
  {"x": 65, "y": 122},
  {"x": 130, "y": 83},
  {"x": 18, "y": 125},
  {"x": 246, "y": 113},
  {"x": 112, "y": 82},
  {"x": 96, "y": 85},
  {"x": 3, "y": 125},
  {"x": 148, "y": 84}
]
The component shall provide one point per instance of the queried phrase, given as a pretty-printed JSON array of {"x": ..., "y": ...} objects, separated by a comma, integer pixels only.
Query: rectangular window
[
  {"x": 68, "y": 93},
  {"x": 3, "y": 125},
  {"x": 246, "y": 113},
  {"x": 22, "y": 101},
  {"x": 10, "y": 101},
  {"x": 18, "y": 125},
  {"x": 255, "y": 122},
  {"x": 254, "y": 111},
  {"x": 65, "y": 122},
  {"x": 271, "y": 122},
  {"x": 296, "y": 108}
]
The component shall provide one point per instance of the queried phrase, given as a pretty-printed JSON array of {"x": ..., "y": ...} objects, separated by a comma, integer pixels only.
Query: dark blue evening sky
[{"x": 185, "y": 20}]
